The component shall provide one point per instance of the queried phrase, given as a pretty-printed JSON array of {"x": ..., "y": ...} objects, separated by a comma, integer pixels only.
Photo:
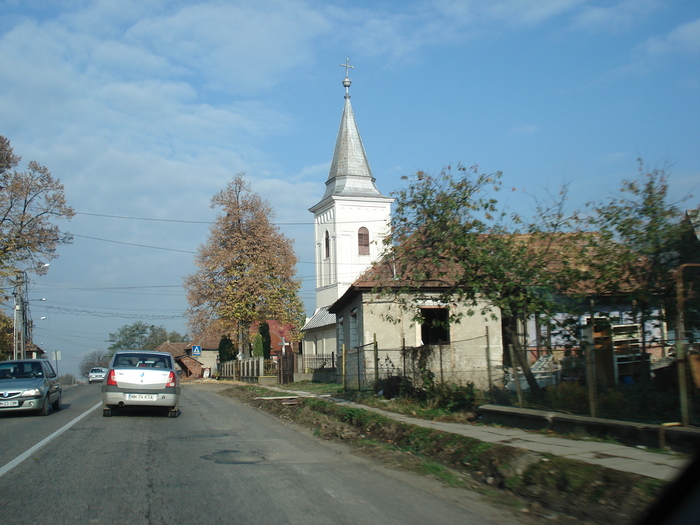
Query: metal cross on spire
[{"x": 346, "y": 80}]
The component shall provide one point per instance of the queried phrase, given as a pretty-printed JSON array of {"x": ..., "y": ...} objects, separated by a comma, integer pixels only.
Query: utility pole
[{"x": 21, "y": 324}]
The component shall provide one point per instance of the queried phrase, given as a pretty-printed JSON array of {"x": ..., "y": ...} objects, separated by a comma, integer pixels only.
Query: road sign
[{"x": 196, "y": 350}]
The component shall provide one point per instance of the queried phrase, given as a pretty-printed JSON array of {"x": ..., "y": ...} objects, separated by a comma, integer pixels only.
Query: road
[{"x": 219, "y": 462}]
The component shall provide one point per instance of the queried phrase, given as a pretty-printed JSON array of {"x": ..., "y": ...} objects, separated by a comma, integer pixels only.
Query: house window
[
  {"x": 327, "y": 246},
  {"x": 363, "y": 241},
  {"x": 436, "y": 326}
]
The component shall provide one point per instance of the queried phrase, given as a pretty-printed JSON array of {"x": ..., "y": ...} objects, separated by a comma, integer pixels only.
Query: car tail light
[
  {"x": 110, "y": 378},
  {"x": 171, "y": 379}
]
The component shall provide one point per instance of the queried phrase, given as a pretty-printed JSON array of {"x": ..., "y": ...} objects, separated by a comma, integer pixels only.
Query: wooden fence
[{"x": 251, "y": 369}]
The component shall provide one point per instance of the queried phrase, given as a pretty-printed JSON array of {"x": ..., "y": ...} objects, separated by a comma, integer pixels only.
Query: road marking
[{"x": 12, "y": 464}]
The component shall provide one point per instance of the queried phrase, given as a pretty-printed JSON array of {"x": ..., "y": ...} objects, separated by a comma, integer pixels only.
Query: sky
[{"x": 145, "y": 110}]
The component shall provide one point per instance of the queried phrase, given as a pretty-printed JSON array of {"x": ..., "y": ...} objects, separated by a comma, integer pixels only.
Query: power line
[
  {"x": 122, "y": 315},
  {"x": 183, "y": 221},
  {"x": 132, "y": 244}
]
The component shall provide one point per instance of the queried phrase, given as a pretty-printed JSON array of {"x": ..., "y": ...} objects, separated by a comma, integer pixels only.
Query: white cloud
[
  {"x": 684, "y": 39},
  {"x": 616, "y": 16},
  {"x": 234, "y": 48}
]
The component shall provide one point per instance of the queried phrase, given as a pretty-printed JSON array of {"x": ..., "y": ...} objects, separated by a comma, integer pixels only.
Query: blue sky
[{"x": 145, "y": 110}]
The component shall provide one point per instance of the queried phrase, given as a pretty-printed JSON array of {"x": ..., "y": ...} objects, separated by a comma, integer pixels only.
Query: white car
[
  {"x": 141, "y": 379},
  {"x": 96, "y": 374}
]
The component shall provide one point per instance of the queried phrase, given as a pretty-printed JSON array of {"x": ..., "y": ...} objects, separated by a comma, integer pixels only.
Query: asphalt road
[{"x": 219, "y": 462}]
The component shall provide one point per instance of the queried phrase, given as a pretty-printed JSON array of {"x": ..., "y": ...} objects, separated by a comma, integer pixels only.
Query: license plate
[
  {"x": 141, "y": 397},
  {"x": 14, "y": 403}
]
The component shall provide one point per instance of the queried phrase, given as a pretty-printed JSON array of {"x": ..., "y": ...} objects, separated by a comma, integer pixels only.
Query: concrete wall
[
  {"x": 319, "y": 341},
  {"x": 466, "y": 358}
]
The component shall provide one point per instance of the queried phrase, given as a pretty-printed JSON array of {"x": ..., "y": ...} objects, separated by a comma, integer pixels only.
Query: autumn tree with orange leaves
[{"x": 246, "y": 269}]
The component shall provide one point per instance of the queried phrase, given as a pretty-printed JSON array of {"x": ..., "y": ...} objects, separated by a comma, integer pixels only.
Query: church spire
[{"x": 350, "y": 174}]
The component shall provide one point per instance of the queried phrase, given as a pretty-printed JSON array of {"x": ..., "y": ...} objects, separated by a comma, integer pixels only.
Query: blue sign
[{"x": 197, "y": 350}]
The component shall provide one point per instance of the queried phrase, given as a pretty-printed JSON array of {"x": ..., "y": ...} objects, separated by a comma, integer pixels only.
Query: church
[{"x": 350, "y": 223}]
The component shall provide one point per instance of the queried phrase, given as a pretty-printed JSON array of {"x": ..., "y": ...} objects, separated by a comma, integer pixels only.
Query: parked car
[
  {"x": 141, "y": 379},
  {"x": 96, "y": 374},
  {"x": 29, "y": 385}
]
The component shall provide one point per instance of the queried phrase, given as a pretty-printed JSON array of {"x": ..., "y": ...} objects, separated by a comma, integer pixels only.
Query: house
[
  {"x": 350, "y": 223},
  {"x": 456, "y": 352},
  {"x": 202, "y": 362}
]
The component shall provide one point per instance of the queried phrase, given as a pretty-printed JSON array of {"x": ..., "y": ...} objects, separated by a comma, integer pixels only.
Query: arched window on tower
[
  {"x": 363, "y": 241},
  {"x": 327, "y": 246}
]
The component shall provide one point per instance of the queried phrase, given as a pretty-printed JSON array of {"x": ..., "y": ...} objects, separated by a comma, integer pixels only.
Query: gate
[{"x": 285, "y": 373}]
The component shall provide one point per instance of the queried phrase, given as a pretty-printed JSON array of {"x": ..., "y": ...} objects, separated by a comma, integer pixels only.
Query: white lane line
[{"x": 12, "y": 464}]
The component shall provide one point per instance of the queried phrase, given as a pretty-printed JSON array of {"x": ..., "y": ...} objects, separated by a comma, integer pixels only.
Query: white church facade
[{"x": 350, "y": 223}]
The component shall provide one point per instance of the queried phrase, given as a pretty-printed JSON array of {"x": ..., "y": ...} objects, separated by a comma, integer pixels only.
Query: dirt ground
[{"x": 546, "y": 489}]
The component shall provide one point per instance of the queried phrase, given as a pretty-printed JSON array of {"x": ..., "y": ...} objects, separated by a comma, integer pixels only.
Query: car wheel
[
  {"x": 107, "y": 412},
  {"x": 89, "y": 382},
  {"x": 44, "y": 410},
  {"x": 173, "y": 413},
  {"x": 56, "y": 405}
]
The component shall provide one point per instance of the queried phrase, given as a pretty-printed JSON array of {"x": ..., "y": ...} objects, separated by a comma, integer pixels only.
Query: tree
[
  {"x": 257, "y": 346},
  {"x": 6, "y": 339},
  {"x": 643, "y": 239},
  {"x": 94, "y": 359},
  {"x": 29, "y": 201},
  {"x": 141, "y": 336},
  {"x": 246, "y": 269},
  {"x": 448, "y": 232},
  {"x": 68, "y": 379},
  {"x": 227, "y": 351},
  {"x": 265, "y": 339}
]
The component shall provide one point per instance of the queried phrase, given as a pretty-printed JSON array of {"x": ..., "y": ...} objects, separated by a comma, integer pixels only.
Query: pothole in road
[{"x": 234, "y": 457}]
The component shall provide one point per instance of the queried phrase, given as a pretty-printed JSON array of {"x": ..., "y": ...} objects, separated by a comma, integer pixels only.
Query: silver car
[
  {"x": 96, "y": 374},
  {"x": 141, "y": 379},
  {"x": 29, "y": 385}
]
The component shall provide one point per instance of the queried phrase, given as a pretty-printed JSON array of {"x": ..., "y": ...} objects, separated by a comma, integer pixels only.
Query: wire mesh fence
[{"x": 649, "y": 385}]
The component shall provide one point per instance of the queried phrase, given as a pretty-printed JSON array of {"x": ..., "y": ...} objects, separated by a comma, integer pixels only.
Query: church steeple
[
  {"x": 352, "y": 217},
  {"x": 350, "y": 174}
]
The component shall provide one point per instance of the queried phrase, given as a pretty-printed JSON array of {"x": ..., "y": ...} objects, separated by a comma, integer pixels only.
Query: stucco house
[{"x": 469, "y": 350}]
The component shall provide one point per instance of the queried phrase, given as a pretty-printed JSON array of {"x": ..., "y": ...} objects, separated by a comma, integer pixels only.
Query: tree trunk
[{"x": 511, "y": 337}]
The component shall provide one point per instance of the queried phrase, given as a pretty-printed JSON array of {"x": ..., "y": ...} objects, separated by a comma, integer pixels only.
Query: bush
[
  {"x": 440, "y": 395},
  {"x": 568, "y": 396}
]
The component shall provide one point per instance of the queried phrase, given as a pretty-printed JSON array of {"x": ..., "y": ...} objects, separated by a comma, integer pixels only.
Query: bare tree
[{"x": 94, "y": 359}]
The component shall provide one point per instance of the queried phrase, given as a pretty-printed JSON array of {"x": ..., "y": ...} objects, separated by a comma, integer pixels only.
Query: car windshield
[
  {"x": 20, "y": 370},
  {"x": 141, "y": 361},
  {"x": 96, "y": 370}
]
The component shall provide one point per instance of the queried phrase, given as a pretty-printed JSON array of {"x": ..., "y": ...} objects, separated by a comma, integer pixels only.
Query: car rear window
[{"x": 142, "y": 361}]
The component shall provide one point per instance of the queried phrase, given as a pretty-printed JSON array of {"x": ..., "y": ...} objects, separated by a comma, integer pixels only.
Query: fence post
[
  {"x": 589, "y": 346},
  {"x": 376, "y": 360},
  {"x": 681, "y": 356},
  {"x": 488, "y": 363},
  {"x": 513, "y": 364},
  {"x": 345, "y": 381}
]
